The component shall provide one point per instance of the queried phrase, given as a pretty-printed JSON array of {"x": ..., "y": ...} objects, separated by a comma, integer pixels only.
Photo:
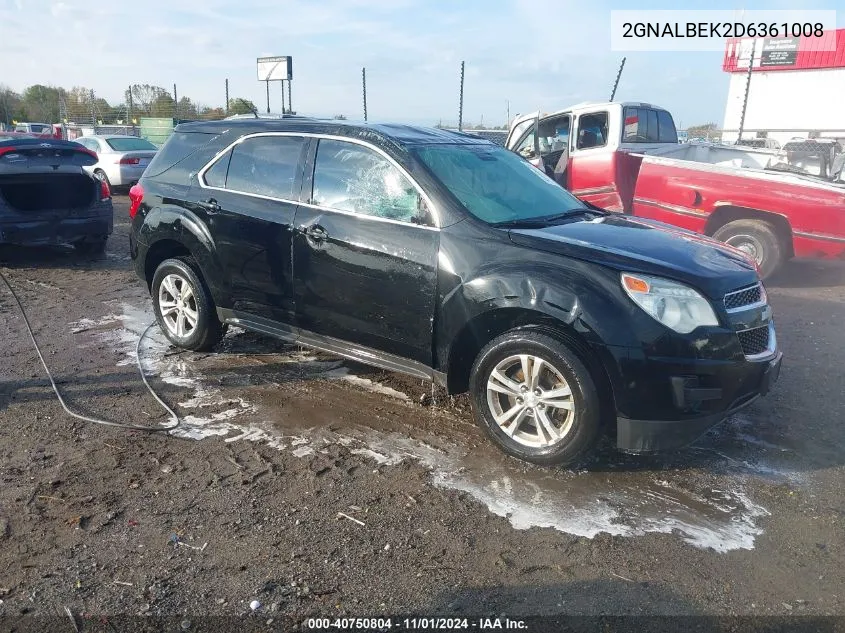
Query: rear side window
[
  {"x": 265, "y": 166},
  {"x": 175, "y": 150},
  {"x": 668, "y": 133},
  {"x": 215, "y": 176},
  {"x": 646, "y": 125},
  {"x": 129, "y": 144}
]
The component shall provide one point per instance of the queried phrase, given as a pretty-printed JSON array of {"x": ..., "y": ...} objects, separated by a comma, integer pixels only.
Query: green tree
[
  {"x": 42, "y": 103},
  {"x": 10, "y": 105},
  {"x": 212, "y": 114},
  {"x": 163, "y": 106},
  {"x": 705, "y": 130},
  {"x": 105, "y": 112},
  {"x": 187, "y": 109},
  {"x": 241, "y": 106},
  {"x": 339, "y": 117}
]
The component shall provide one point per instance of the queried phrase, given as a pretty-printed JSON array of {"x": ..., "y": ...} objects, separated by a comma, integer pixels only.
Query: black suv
[{"x": 446, "y": 257}]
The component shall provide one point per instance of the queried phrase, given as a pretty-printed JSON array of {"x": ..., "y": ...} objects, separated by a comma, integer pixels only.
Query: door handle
[
  {"x": 211, "y": 206},
  {"x": 316, "y": 233}
]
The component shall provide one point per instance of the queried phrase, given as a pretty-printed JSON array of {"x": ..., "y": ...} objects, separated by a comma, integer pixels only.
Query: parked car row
[{"x": 121, "y": 159}]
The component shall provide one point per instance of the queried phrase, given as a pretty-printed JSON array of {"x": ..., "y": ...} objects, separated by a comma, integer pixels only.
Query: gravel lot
[{"x": 243, "y": 502}]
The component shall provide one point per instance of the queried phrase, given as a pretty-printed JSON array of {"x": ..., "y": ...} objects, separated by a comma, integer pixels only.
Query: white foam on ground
[
  {"x": 159, "y": 358},
  {"x": 366, "y": 383},
  {"x": 581, "y": 503}
]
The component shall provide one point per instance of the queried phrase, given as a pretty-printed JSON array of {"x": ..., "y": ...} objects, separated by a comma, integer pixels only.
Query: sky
[{"x": 520, "y": 55}]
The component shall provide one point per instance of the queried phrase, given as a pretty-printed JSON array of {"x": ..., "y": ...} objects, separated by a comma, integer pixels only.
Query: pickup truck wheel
[
  {"x": 758, "y": 239},
  {"x": 535, "y": 398},
  {"x": 183, "y": 306}
]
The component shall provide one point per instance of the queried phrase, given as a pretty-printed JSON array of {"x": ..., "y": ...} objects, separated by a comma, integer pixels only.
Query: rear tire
[
  {"x": 535, "y": 399},
  {"x": 757, "y": 238},
  {"x": 183, "y": 306},
  {"x": 99, "y": 173}
]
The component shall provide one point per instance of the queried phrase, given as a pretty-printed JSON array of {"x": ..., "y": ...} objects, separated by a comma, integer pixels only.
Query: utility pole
[
  {"x": 93, "y": 113},
  {"x": 226, "y": 107},
  {"x": 175, "y": 103},
  {"x": 747, "y": 88},
  {"x": 461, "y": 101},
  {"x": 129, "y": 111},
  {"x": 364, "y": 85}
]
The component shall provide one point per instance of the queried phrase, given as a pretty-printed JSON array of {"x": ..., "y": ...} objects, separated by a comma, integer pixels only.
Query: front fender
[{"x": 573, "y": 295}]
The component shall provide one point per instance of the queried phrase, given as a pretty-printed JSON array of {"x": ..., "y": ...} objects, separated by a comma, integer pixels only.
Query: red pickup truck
[{"x": 625, "y": 157}]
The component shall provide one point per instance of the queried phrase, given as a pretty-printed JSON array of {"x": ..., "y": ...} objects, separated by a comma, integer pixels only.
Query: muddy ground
[{"x": 244, "y": 501}]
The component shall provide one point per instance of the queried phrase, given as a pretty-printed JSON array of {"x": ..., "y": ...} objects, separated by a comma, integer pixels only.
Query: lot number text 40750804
[{"x": 414, "y": 624}]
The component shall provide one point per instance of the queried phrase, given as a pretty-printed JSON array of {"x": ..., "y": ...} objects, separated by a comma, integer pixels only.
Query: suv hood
[{"x": 646, "y": 246}]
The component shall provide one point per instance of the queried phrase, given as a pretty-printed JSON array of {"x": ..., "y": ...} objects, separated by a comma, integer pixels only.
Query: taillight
[
  {"x": 105, "y": 191},
  {"x": 129, "y": 161},
  {"x": 136, "y": 195}
]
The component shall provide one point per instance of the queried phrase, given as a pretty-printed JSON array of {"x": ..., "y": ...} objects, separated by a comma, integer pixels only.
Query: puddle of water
[
  {"x": 158, "y": 357},
  {"x": 707, "y": 508},
  {"x": 706, "y": 515}
]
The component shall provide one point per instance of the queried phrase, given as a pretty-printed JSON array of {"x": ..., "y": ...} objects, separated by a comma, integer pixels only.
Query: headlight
[{"x": 675, "y": 305}]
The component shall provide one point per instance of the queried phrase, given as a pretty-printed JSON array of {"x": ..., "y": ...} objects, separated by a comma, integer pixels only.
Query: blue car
[{"x": 46, "y": 197}]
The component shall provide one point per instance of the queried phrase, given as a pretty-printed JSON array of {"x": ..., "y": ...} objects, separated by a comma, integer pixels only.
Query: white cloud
[{"x": 529, "y": 52}]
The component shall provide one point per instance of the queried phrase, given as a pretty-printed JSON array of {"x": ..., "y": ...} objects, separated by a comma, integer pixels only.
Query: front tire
[
  {"x": 535, "y": 399},
  {"x": 183, "y": 306},
  {"x": 756, "y": 238}
]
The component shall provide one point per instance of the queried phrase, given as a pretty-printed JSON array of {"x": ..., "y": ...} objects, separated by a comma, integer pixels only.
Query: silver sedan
[{"x": 122, "y": 159}]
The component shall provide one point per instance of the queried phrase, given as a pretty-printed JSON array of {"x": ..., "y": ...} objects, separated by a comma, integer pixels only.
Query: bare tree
[{"x": 143, "y": 96}]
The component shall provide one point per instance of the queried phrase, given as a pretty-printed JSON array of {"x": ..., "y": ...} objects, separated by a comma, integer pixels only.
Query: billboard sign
[
  {"x": 779, "y": 51},
  {"x": 275, "y": 68}
]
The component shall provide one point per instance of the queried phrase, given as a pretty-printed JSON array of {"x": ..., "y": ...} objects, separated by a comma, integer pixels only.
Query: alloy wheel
[
  {"x": 531, "y": 401},
  {"x": 177, "y": 304}
]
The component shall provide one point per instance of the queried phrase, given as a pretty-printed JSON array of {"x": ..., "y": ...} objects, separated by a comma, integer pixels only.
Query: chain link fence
[{"x": 145, "y": 110}]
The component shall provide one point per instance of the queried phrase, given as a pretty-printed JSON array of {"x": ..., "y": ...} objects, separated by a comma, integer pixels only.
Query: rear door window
[{"x": 266, "y": 166}]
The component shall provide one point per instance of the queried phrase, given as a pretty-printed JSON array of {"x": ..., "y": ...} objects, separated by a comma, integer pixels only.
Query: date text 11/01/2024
[{"x": 413, "y": 624}]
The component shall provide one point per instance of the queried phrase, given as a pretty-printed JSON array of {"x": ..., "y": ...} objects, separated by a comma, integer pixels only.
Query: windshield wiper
[{"x": 542, "y": 220}]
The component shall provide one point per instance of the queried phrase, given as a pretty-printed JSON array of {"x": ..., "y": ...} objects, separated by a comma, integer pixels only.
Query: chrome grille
[
  {"x": 754, "y": 341},
  {"x": 744, "y": 297}
]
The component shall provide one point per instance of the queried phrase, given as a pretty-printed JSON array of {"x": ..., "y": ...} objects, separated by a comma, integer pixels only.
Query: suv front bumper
[{"x": 730, "y": 388}]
